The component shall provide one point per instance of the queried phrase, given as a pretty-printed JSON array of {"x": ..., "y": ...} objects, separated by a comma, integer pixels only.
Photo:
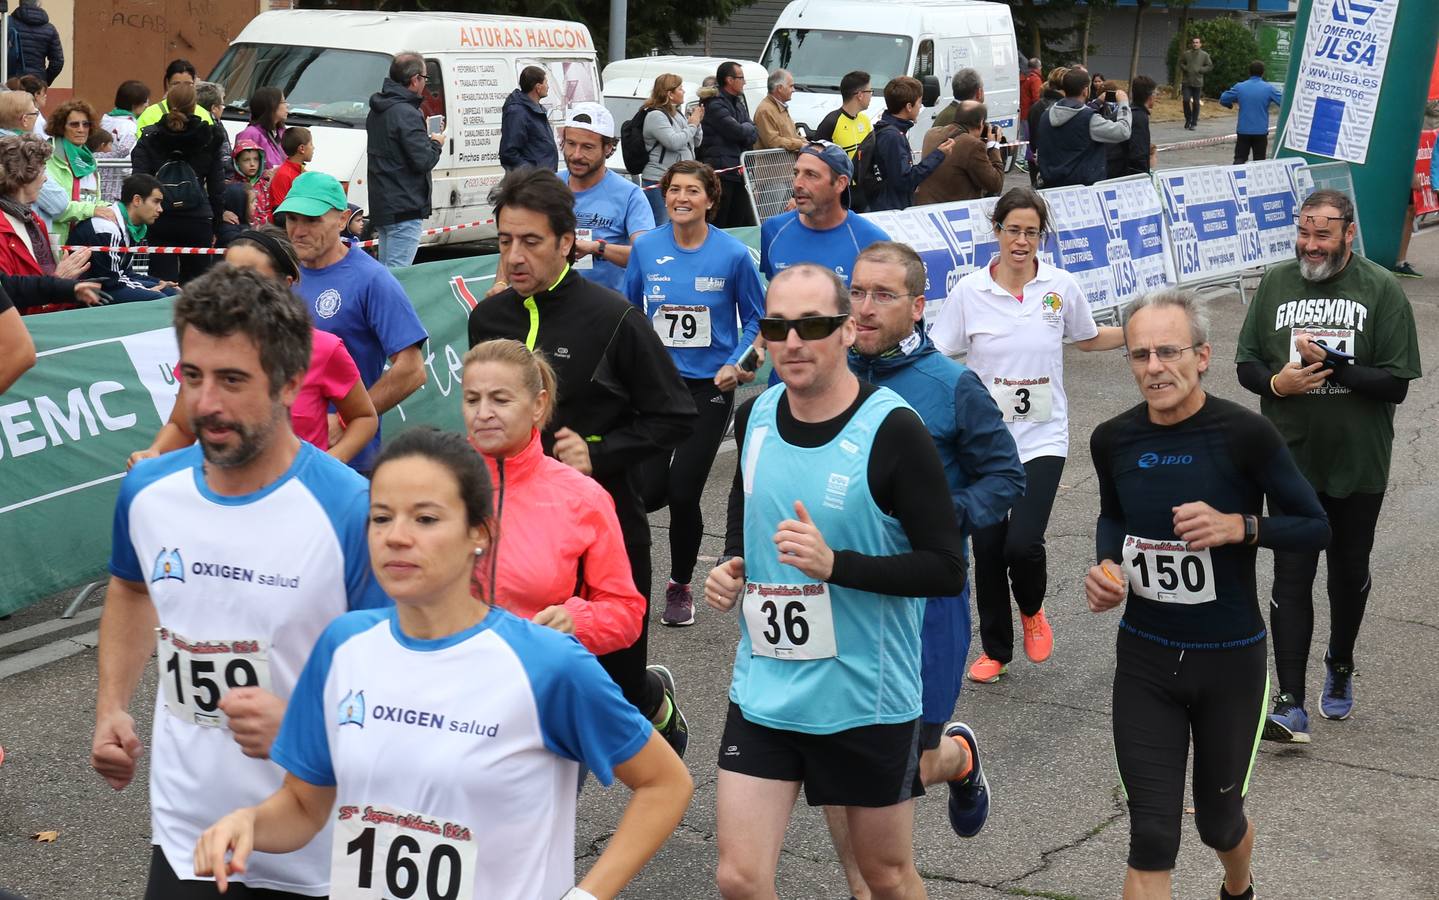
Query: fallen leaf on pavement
[{"x": 45, "y": 837}]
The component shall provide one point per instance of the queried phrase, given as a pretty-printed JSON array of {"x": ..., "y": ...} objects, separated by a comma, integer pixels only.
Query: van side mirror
[{"x": 931, "y": 89}]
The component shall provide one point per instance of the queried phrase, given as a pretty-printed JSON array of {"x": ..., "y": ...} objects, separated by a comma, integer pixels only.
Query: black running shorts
[{"x": 873, "y": 766}]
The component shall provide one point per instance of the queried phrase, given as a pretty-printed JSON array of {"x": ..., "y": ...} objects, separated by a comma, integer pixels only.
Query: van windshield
[
  {"x": 819, "y": 59},
  {"x": 321, "y": 84}
]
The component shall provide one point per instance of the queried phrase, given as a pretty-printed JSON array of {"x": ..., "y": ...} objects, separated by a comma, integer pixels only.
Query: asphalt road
[{"x": 1351, "y": 815}]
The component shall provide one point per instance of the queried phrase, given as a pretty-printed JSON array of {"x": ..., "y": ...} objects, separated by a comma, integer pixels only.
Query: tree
[
  {"x": 654, "y": 25},
  {"x": 1047, "y": 29},
  {"x": 1183, "y": 6},
  {"x": 1140, "y": 7}
]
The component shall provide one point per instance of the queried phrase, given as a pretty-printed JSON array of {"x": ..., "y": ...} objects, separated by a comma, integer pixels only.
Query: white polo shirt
[{"x": 1016, "y": 347}]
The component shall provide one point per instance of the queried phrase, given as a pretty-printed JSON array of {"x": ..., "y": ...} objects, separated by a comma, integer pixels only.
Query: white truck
[
  {"x": 819, "y": 41},
  {"x": 329, "y": 62}
]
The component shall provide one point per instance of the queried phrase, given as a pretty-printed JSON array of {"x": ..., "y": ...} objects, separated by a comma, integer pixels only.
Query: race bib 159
[{"x": 195, "y": 674}]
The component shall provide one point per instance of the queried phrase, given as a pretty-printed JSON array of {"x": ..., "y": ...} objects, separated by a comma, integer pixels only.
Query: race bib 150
[{"x": 1167, "y": 571}]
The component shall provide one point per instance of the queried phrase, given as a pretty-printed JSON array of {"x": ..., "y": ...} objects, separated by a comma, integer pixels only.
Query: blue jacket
[
  {"x": 1254, "y": 96},
  {"x": 979, "y": 455},
  {"x": 892, "y": 155},
  {"x": 526, "y": 138}
]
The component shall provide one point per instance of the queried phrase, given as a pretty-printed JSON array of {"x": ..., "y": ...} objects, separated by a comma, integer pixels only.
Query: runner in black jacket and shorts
[{"x": 1183, "y": 479}]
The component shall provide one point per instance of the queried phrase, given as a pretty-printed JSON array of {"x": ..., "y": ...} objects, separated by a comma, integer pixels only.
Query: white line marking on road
[
  {"x": 25, "y": 634},
  {"x": 49, "y": 653}
]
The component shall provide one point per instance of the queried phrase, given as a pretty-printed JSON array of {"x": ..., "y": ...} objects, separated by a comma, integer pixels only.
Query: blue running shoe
[
  {"x": 1289, "y": 723},
  {"x": 1337, "y": 701},
  {"x": 969, "y": 796}
]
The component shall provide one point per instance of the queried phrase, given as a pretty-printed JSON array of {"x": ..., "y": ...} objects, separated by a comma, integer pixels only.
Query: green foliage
[
  {"x": 651, "y": 24},
  {"x": 1232, "y": 47}
]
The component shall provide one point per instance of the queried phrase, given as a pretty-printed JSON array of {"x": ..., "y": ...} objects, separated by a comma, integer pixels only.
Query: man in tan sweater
[
  {"x": 975, "y": 169},
  {"x": 772, "y": 118}
]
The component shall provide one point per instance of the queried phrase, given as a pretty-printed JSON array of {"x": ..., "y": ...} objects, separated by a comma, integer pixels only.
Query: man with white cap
[{"x": 610, "y": 210}]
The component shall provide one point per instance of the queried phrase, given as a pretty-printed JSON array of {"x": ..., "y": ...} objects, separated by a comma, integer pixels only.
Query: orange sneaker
[
  {"x": 986, "y": 670},
  {"x": 1038, "y": 637}
]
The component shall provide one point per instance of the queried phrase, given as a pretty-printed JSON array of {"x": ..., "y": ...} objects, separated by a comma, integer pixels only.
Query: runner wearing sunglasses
[
  {"x": 1012, "y": 318},
  {"x": 832, "y": 543}
]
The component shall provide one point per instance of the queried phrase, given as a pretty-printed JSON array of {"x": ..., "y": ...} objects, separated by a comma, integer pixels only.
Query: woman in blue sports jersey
[
  {"x": 701, "y": 290},
  {"x": 442, "y": 738}
]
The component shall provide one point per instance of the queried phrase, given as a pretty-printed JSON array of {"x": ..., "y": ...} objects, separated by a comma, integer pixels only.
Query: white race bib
[
  {"x": 587, "y": 261},
  {"x": 380, "y": 853},
  {"x": 195, "y": 674},
  {"x": 1341, "y": 339},
  {"x": 789, "y": 621},
  {"x": 682, "y": 326},
  {"x": 1167, "y": 571},
  {"x": 1023, "y": 399}
]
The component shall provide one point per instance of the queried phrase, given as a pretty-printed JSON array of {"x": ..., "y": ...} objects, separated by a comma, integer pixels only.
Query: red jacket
[
  {"x": 559, "y": 544},
  {"x": 1030, "y": 87},
  {"x": 16, "y": 259}
]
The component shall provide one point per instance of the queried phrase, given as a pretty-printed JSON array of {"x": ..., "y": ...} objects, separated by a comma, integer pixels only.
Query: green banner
[{"x": 103, "y": 386}]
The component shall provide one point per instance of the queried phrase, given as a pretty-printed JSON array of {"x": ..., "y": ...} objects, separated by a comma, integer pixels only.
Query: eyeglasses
[
  {"x": 30, "y": 115},
  {"x": 1318, "y": 221},
  {"x": 809, "y": 328},
  {"x": 77, "y": 124},
  {"x": 883, "y": 298},
  {"x": 1014, "y": 231},
  {"x": 1140, "y": 355}
]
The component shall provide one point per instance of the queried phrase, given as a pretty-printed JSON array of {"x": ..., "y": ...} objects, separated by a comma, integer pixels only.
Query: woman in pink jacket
[{"x": 559, "y": 558}]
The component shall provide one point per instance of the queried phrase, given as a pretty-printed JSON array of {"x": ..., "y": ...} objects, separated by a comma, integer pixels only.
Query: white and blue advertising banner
[
  {"x": 1267, "y": 204},
  {"x": 1336, "y": 92},
  {"x": 1111, "y": 239},
  {"x": 1202, "y": 210}
]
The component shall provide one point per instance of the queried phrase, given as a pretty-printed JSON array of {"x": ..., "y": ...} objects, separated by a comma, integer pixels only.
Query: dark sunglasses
[{"x": 809, "y": 328}]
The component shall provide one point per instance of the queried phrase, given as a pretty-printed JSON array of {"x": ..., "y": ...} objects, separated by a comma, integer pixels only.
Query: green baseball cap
[{"x": 314, "y": 194}]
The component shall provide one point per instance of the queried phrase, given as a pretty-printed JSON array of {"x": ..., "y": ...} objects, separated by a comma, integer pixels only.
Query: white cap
[{"x": 592, "y": 117}]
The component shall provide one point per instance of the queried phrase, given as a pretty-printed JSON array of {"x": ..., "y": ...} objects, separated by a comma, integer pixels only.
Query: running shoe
[
  {"x": 1337, "y": 702},
  {"x": 677, "y": 732},
  {"x": 1038, "y": 636},
  {"x": 968, "y": 796},
  {"x": 1404, "y": 270},
  {"x": 1289, "y": 723},
  {"x": 1247, "y": 895},
  {"x": 679, "y": 606},
  {"x": 986, "y": 670}
]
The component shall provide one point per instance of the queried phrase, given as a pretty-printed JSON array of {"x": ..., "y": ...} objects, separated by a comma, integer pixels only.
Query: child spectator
[
  {"x": 352, "y": 230},
  {"x": 252, "y": 173},
  {"x": 299, "y": 149}
]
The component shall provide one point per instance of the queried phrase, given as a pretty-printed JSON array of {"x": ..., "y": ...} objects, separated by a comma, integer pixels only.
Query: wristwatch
[
  {"x": 1251, "y": 529},
  {"x": 600, "y": 249}
]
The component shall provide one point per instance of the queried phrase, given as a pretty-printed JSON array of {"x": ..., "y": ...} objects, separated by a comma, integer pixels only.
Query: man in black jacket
[
  {"x": 401, "y": 155},
  {"x": 40, "y": 52},
  {"x": 1136, "y": 155},
  {"x": 621, "y": 400},
  {"x": 526, "y": 138},
  {"x": 729, "y": 132},
  {"x": 1072, "y": 136}
]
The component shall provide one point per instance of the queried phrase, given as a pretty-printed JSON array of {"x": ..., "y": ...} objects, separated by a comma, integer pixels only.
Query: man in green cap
[{"x": 354, "y": 298}]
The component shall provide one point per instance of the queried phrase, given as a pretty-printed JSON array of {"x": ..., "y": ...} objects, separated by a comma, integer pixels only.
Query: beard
[
  {"x": 1321, "y": 271},
  {"x": 250, "y": 439}
]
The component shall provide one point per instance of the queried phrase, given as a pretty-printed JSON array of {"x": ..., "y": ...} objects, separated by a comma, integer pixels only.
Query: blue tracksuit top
[
  {"x": 1254, "y": 96},
  {"x": 979, "y": 455}
]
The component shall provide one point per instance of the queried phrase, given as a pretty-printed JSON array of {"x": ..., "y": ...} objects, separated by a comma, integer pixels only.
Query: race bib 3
[{"x": 1023, "y": 399}]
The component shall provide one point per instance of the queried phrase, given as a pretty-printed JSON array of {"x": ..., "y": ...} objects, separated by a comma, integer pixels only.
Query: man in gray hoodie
[
  {"x": 1193, "y": 64},
  {"x": 1072, "y": 136}
]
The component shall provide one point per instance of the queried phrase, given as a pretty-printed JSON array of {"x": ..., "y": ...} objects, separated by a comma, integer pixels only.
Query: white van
[
  {"x": 628, "y": 82},
  {"x": 328, "y": 63},
  {"x": 819, "y": 41}
]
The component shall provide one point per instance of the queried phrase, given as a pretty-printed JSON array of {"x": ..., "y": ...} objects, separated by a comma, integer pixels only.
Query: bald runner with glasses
[{"x": 833, "y": 542}]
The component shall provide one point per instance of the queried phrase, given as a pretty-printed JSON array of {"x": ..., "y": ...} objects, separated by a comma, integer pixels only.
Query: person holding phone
[
  {"x": 701, "y": 292},
  {"x": 402, "y": 152}
]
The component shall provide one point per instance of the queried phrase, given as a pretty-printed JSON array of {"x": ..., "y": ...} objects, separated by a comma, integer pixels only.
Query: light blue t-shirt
[
  {"x": 611, "y": 211},
  {"x": 359, "y": 301},
  {"x": 785, "y": 241},
  {"x": 697, "y": 299},
  {"x": 483, "y": 731},
  {"x": 815, "y": 657}
]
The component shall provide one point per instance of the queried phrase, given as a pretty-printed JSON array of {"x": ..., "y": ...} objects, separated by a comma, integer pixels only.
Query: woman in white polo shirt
[{"x": 1012, "y": 318}]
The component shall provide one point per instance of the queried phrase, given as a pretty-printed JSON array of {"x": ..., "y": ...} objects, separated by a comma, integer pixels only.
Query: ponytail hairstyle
[
  {"x": 537, "y": 372},
  {"x": 181, "y": 102}
]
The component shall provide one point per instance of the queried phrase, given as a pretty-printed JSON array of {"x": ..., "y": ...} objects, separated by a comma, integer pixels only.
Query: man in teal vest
[{"x": 833, "y": 541}]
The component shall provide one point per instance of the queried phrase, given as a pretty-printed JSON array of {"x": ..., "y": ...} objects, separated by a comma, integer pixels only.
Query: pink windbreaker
[{"x": 559, "y": 544}]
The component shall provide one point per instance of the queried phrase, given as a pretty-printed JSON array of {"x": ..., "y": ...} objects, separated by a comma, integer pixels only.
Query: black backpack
[
  {"x": 633, "y": 151},
  {"x": 868, "y": 181},
  {"x": 180, "y": 185}
]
